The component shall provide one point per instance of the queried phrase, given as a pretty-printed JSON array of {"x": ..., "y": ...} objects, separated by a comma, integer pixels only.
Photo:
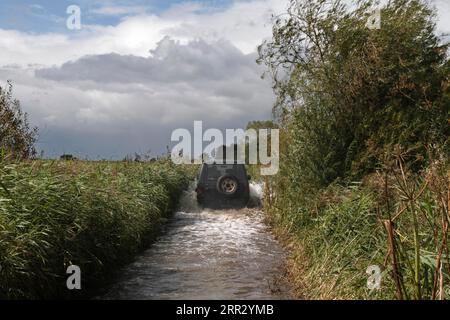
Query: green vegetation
[
  {"x": 96, "y": 215},
  {"x": 17, "y": 138},
  {"x": 364, "y": 176}
]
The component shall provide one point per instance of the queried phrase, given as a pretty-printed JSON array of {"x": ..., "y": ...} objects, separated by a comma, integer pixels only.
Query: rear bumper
[{"x": 215, "y": 200}]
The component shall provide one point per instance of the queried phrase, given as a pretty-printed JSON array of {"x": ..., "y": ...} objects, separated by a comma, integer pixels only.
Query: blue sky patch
[{"x": 50, "y": 16}]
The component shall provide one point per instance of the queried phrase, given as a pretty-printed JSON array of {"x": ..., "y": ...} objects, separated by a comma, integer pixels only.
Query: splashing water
[
  {"x": 188, "y": 201},
  {"x": 208, "y": 254},
  {"x": 256, "y": 194}
]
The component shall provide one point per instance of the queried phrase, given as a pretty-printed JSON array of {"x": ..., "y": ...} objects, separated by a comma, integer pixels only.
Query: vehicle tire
[{"x": 227, "y": 185}]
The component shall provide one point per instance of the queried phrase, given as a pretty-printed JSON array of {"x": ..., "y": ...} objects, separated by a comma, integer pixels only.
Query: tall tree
[
  {"x": 17, "y": 137},
  {"x": 346, "y": 91}
]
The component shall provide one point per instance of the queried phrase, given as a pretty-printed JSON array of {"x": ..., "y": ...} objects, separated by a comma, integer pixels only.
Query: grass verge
[{"x": 395, "y": 220}]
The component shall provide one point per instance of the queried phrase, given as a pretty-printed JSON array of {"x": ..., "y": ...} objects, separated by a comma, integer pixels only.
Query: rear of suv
[{"x": 223, "y": 186}]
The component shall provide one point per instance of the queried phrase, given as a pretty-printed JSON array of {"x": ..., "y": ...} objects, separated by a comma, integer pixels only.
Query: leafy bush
[{"x": 345, "y": 91}]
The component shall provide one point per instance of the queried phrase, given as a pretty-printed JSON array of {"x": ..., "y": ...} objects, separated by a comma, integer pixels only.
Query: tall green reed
[{"x": 96, "y": 215}]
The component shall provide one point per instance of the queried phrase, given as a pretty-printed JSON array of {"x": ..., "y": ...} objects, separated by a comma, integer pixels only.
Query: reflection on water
[{"x": 226, "y": 254}]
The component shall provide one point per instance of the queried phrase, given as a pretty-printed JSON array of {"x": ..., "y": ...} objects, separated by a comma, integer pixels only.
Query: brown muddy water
[{"x": 207, "y": 254}]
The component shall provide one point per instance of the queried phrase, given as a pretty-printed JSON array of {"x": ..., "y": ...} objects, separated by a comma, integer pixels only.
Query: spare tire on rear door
[{"x": 227, "y": 185}]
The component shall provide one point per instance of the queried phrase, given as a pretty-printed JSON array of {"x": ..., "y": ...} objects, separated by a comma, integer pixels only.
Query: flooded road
[{"x": 203, "y": 254}]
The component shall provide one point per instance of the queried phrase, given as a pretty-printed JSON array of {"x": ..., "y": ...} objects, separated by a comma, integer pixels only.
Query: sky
[{"x": 137, "y": 70}]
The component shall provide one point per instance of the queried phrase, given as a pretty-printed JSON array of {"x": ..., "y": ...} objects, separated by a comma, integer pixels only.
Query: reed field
[{"x": 96, "y": 215}]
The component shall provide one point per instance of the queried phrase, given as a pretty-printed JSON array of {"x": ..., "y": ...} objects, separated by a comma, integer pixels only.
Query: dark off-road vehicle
[{"x": 223, "y": 186}]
